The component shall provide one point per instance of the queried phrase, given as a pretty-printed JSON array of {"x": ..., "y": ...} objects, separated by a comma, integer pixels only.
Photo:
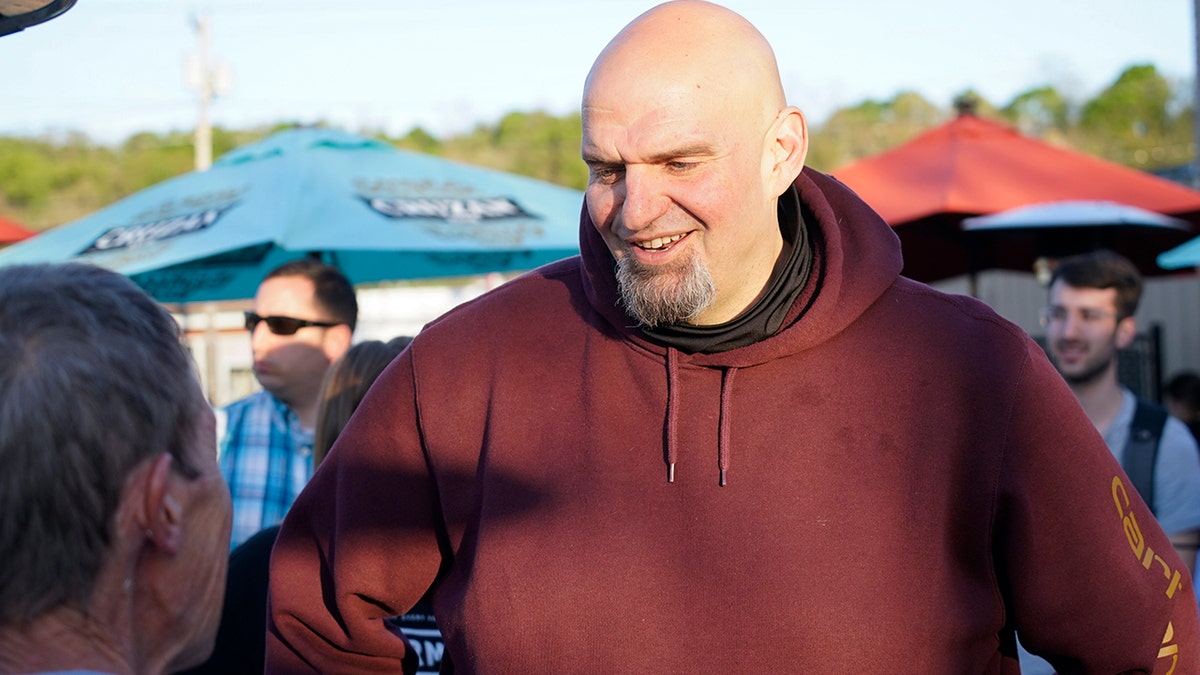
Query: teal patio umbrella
[
  {"x": 376, "y": 212},
  {"x": 1185, "y": 255}
]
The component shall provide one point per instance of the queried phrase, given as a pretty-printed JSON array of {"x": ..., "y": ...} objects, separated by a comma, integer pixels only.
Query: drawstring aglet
[
  {"x": 671, "y": 472},
  {"x": 722, "y": 477}
]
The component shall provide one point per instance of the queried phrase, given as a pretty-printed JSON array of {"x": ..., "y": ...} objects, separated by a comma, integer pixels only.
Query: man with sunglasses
[{"x": 303, "y": 319}]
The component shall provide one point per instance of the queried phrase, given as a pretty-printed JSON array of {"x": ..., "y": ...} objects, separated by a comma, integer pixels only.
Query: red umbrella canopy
[
  {"x": 10, "y": 232},
  {"x": 971, "y": 166}
]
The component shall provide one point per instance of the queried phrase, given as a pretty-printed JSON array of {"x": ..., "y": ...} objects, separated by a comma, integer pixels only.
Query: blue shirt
[
  {"x": 1176, "y": 470},
  {"x": 266, "y": 458}
]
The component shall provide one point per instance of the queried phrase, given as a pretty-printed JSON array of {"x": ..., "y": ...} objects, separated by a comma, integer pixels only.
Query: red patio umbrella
[
  {"x": 11, "y": 233},
  {"x": 970, "y": 167}
]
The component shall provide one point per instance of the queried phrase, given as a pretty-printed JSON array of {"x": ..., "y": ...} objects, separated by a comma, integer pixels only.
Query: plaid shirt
[{"x": 266, "y": 459}]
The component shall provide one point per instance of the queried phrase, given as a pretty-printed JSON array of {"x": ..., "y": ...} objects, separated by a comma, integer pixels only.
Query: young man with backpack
[{"x": 1089, "y": 318}]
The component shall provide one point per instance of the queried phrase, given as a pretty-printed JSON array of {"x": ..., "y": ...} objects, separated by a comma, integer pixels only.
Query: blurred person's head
[
  {"x": 689, "y": 143},
  {"x": 303, "y": 320},
  {"x": 114, "y": 517},
  {"x": 1181, "y": 396},
  {"x": 346, "y": 384},
  {"x": 1093, "y": 297}
]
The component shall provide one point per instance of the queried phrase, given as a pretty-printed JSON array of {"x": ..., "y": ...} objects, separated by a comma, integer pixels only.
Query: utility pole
[{"x": 208, "y": 80}]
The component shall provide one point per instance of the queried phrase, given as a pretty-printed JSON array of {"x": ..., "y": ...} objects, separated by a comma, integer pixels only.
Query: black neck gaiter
[{"x": 766, "y": 315}]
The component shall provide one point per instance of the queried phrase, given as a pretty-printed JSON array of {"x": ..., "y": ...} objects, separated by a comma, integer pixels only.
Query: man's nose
[
  {"x": 260, "y": 336},
  {"x": 644, "y": 200},
  {"x": 1072, "y": 324}
]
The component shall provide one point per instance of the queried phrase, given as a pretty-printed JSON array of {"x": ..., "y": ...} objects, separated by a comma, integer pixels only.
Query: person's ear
[
  {"x": 162, "y": 513},
  {"x": 1126, "y": 332},
  {"x": 787, "y": 148},
  {"x": 337, "y": 341}
]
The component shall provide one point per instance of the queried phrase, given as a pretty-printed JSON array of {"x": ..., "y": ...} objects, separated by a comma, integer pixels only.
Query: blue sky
[{"x": 113, "y": 67}]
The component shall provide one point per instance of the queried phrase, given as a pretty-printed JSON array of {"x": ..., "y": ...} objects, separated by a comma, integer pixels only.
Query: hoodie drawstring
[
  {"x": 723, "y": 435},
  {"x": 672, "y": 450}
]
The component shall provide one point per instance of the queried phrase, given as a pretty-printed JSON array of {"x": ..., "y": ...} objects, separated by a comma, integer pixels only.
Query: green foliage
[
  {"x": 419, "y": 140},
  {"x": 1037, "y": 112},
  {"x": 1131, "y": 121},
  {"x": 870, "y": 128},
  {"x": 1140, "y": 120},
  {"x": 44, "y": 181},
  {"x": 534, "y": 144}
]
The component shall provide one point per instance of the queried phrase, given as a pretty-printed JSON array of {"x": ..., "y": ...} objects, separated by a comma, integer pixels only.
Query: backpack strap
[{"x": 1141, "y": 450}]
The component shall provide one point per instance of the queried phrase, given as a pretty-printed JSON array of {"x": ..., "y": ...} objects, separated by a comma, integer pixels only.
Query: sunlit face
[
  {"x": 676, "y": 189},
  {"x": 291, "y": 366},
  {"x": 1082, "y": 331},
  {"x": 202, "y": 562}
]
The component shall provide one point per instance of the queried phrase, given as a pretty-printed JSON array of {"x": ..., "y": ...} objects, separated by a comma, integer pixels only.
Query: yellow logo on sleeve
[
  {"x": 1133, "y": 533},
  {"x": 1148, "y": 558},
  {"x": 1169, "y": 648}
]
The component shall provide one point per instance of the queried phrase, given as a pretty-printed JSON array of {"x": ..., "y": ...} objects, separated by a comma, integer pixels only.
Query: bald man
[{"x": 728, "y": 437}]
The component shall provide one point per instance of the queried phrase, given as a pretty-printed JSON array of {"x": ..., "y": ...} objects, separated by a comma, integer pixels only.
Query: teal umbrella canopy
[
  {"x": 1182, "y": 256},
  {"x": 376, "y": 212}
]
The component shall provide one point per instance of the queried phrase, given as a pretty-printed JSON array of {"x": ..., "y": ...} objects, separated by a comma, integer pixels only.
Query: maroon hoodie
[{"x": 908, "y": 482}]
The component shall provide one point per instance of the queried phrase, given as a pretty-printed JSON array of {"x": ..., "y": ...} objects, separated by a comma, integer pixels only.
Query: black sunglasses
[{"x": 284, "y": 325}]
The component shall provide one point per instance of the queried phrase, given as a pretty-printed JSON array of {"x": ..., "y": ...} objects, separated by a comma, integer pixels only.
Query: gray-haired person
[{"x": 114, "y": 518}]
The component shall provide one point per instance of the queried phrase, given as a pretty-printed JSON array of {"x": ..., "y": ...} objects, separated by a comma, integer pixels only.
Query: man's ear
[
  {"x": 337, "y": 341},
  {"x": 787, "y": 149},
  {"x": 1126, "y": 332},
  {"x": 162, "y": 513}
]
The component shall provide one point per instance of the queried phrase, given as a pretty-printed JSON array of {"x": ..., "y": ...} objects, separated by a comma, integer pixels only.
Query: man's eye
[
  {"x": 606, "y": 174},
  {"x": 680, "y": 166}
]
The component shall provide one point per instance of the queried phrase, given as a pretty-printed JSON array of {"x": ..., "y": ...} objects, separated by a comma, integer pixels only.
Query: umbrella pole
[
  {"x": 210, "y": 346},
  {"x": 208, "y": 343},
  {"x": 973, "y": 266}
]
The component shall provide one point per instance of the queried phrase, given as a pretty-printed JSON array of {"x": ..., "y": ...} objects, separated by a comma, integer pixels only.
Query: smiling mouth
[
  {"x": 660, "y": 243},
  {"x": 1070, "y": 351}
]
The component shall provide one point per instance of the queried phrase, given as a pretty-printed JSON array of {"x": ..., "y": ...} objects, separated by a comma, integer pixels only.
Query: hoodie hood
[{"x": 844, "y": 231}]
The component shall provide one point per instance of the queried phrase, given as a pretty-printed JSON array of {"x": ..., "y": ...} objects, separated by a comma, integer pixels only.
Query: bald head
[
  {"x": 695, "y": 49},
  {"x": 689, "y": 144}
]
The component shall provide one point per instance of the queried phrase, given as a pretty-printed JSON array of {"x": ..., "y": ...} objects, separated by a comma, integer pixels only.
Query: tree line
[{"x": 1141, "y": 120}]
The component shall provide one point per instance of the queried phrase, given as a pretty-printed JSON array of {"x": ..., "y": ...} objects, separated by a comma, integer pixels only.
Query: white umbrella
[
  {"x": 1073, "y": 213},
  {"x": 1017, "y": 238}
]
